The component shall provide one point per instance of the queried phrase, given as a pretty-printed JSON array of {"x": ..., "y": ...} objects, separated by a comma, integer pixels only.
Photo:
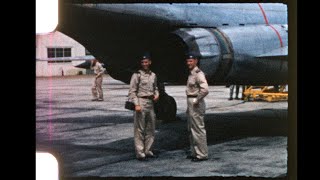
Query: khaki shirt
[
  {"x": 147, "y": 86},
  {"x": 197, "y": 84},
  {"x": 98, "y": 69}
]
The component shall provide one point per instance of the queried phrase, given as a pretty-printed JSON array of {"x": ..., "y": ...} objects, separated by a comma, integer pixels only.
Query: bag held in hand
[{"x": 129, "y": 105}]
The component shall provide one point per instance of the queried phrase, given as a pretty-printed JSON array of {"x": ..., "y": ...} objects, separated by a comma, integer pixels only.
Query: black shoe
[
  {"x": 237, "y": 98},
  {"x": 230, "y": 99},
  {"x": 190, "y": 157},
  {"x": 198, "y": 160},
  {"x": 152, "y": 156},
  {"x": 142, "y": 159}
]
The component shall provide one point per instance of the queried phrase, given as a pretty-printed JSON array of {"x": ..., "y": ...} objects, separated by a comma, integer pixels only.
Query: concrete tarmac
[{"x": 95, "y": 139}]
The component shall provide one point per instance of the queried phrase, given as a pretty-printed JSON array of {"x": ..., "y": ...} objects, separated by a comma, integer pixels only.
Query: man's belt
[
  {"x": 192, "y": 96},
  {"x": 147, "y": 97}
]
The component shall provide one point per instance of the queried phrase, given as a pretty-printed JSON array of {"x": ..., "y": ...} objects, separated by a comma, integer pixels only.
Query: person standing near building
[
  {"x": 197, "y": 89},
  {"x": 144, "y": 92},
  {"x": 96, "y": 88}
]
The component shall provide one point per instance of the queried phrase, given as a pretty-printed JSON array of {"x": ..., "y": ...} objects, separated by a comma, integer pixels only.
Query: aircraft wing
[{"x": 280, "y": 53}]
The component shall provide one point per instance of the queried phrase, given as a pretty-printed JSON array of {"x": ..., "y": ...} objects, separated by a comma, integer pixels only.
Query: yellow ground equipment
[{"x": 266, "y": 93}]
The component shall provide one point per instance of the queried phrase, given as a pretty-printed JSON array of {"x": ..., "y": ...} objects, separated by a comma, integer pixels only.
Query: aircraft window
[{"x": 225, "y": 24}]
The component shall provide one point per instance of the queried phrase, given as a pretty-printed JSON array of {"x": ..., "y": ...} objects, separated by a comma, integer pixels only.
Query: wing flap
[{"x": 280, "y": 53}]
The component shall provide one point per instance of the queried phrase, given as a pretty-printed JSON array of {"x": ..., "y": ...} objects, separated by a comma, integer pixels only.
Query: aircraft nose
[{"x": 84, "y": 65}]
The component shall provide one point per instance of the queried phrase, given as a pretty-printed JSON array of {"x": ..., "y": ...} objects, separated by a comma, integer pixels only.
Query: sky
[{"x": 46, "y": 15}]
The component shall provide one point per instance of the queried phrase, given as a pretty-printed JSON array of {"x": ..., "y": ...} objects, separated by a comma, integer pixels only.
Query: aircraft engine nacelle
[{"x": 253, "y": 54}]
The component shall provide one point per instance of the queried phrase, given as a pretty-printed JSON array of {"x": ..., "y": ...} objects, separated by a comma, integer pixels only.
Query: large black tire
[{"x": 166, "y": 108}]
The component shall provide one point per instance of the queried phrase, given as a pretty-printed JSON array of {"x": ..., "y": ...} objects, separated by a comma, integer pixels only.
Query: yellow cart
[{"x": 266, "y": 93}]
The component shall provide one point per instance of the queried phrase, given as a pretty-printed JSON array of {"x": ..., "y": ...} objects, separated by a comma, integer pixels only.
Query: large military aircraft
[{"x": 237, "y": 43}]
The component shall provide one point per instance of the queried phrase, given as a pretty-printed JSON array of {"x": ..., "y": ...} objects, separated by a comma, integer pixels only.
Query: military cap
[
  {"x": 191, "y": 56},
  {"x": 145, "y": 56}
]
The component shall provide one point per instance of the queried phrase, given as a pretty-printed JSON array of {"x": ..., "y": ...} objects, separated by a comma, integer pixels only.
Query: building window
[
  {"x": 59, "y": 52},
  {"x": 51, "y": 52},
  {"x": 87, "y": 53},
  {"x": 67, "y": 52}
]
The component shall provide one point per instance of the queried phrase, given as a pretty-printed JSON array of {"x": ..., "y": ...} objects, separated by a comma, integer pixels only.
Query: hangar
[{"x": 57, "y": 54}]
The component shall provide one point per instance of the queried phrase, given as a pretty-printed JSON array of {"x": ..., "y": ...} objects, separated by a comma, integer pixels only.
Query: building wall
[
  {"x": 57, "y": 40},
  {"x": 43, "y": 68}
]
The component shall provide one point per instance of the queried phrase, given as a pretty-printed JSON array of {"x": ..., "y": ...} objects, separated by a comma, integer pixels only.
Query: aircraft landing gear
[{"x": 166, "y": 107}]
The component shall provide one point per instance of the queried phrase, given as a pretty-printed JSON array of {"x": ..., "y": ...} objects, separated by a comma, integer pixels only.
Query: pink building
[{"x": 57, "y": 54}]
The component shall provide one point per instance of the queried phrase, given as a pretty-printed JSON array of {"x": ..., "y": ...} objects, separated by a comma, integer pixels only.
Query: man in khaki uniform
[
  {"x": 197, "y": 89},
  {"x": 96, "y": 88},
  {"x": 144, "y": 92}
]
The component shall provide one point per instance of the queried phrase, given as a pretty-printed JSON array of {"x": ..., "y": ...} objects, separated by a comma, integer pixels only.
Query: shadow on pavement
[{"x": 221, "y": 127}]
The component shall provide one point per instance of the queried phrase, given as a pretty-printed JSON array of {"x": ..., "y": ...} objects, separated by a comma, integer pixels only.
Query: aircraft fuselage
[{"x": 237, "y": 43}]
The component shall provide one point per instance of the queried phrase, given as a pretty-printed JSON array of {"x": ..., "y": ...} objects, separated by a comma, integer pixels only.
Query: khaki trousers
[
  {"x": 196, "y": 128},
  {"x": 144, "y": 128},
  {"x": 97, "y": 88}
]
